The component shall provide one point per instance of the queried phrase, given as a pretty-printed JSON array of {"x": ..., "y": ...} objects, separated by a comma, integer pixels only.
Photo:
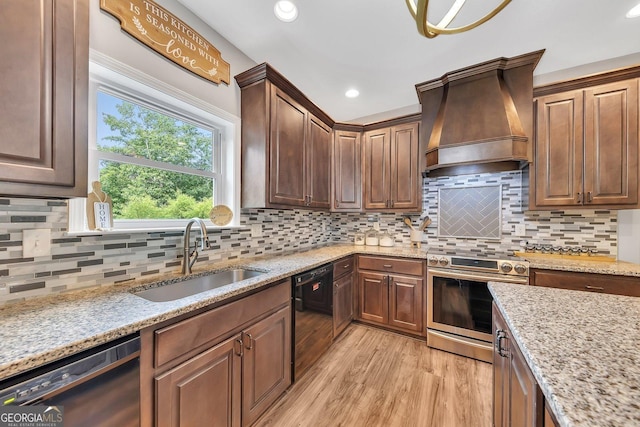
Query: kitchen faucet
[{"x": 189, "y": 258}]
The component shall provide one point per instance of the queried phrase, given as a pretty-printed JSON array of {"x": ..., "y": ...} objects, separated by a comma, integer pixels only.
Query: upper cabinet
[
  {"x": 392, "y": 176},
  {"x": 586, "y": 151},
  {"x": 347, "y": 171},
  {"x": 286, "y": 144},
  {"x": 43, "y": 116}
]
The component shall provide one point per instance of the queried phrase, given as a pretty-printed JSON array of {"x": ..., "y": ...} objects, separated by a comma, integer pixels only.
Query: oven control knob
[
  {"x": 520, "y": 268},
  {"x": 443, "y": 261},
  {"x": 433, "y": 261},
  {"x": 506, "y": 267}
]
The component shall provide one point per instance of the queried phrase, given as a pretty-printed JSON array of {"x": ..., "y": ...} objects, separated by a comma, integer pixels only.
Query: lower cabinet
[
  {"x": 342, "y": 303},
  {"x": 206, "y": 390},
  {"x": 342, "y": 294},
  {"x": 266, "y": 364},
  {"x": 389, "y": 296},
  {"x": 222, "y": 367},
  {"x": 517, "y": 398}
]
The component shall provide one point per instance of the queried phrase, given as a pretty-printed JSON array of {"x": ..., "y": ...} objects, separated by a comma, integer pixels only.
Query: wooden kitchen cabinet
[
  {"x": 391, "y": 168},
  {"x": 347, "y": 172},
  {"x": 342, "y": 294},
  {"x": 586, "y": 151},
  {"x": 223, "y": 366},
  {"x": 517, "y": 398},
  {"x": 590, "y": 282},
  {"x": 43, "y": 116},
  {"x": 374, "y": 297},
  {"x": 286, "y": 144},
  {"x": 266, "y": 364},
  {"x": 206, "y": 390},
  {"x": 391, "y": 293}
]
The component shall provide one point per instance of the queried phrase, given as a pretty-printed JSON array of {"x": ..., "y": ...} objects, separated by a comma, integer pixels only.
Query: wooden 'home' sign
[{"x": 163, "y": 32}]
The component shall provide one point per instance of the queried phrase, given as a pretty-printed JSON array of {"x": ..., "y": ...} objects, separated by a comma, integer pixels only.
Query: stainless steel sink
[{"x": 185, "y": 288}]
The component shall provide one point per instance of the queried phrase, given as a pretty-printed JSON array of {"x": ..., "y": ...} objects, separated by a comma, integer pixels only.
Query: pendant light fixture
[{"x": 419, "y": 11}]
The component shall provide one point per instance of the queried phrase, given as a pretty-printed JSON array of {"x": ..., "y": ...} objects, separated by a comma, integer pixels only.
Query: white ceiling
[{"x": 373, "y": 45}]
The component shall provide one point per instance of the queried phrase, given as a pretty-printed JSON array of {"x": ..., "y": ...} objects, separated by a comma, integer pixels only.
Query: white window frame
[{"x": 117, "y": 79}]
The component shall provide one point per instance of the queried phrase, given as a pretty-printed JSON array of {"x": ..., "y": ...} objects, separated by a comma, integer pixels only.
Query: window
[
  {"x": 153, "y": 164},
  {"x": 162, "y": 155}
]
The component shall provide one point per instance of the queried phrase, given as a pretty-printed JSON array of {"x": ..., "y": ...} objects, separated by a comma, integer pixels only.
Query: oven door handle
[{"x": 476, "y": 277}]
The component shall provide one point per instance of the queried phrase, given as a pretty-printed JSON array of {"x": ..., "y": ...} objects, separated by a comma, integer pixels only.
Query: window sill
[{"x": 113, "y": 232}]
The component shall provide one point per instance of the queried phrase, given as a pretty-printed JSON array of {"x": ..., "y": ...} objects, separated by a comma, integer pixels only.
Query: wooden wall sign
[{"x": 163, "y": 32}]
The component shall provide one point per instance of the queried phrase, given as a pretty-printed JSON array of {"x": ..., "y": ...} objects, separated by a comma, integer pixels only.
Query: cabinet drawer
[
  {"x": 206, "y": 328},
  {"x": 604, "y": 283},
  {"x": 342, "y": 267},
  {"x": 392, "y": 265}
]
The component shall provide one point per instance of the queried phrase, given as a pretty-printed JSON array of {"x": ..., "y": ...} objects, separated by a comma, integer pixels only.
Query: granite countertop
[
  {"x": 582, "y": 265},
  {"x": 583, "y": 349},
  {"x": 46, "y": 329}
]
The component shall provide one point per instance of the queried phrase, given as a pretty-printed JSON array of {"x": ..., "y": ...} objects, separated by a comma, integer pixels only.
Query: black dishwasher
[
  {"x": 312, "y": 317},
  {"x": 99, "y": 387}
]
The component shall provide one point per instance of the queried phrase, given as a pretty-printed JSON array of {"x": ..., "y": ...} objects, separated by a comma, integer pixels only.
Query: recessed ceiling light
[
  {"x": 634, "y": 12},
  {"x": 352, "y": 93},
  {"x": 286, "y": 11}
]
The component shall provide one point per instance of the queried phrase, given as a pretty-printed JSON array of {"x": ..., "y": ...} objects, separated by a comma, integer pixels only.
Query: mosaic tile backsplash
[{"x": 78, "y": 262}]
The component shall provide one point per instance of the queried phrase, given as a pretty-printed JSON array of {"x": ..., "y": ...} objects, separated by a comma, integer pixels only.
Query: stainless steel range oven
[{"x": 459, "y": 302}]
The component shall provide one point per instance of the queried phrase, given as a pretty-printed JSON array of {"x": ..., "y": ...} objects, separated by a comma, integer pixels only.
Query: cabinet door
[
  {"x": 43, "y": 115},
  {"x": 525, "y": 398},
  {"x": 558, "y": 159},
  {"x": 287, "y": 177},
  {"x": 319, "y": 163},
  {"x": 347, "y": 177},
  {"x": 377, "y": 173},
  {"x": 611, "y": 144},
  {"x": 406, "y": 182},
  {"x": 405, "y": 303},
  {"x": 266, "y": 364},
  {"x": 206, "y": 390},
  {"x": 374, "y": 297},
  {"x": 342, "y": 304}
]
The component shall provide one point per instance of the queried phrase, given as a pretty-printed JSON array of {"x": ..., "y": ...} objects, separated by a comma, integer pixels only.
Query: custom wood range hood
[{"x": 479, "y": 118}]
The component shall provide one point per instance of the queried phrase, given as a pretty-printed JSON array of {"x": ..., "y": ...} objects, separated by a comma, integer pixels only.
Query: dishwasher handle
[{"x": 60, "y": 379}]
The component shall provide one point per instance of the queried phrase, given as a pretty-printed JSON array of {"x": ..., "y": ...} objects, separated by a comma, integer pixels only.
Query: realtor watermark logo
[{"x": 31, "y": 416}]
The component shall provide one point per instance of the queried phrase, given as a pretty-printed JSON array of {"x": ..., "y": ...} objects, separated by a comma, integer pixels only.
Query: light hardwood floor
[{"x": 375, "y": 378}]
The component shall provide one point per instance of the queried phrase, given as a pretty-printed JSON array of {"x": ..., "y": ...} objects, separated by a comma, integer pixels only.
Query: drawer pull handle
[
  {"x": 500, "y": 335},
  {"x": 345, "y": 266},
  {"x": 240, "y": 351},
  {"x": 387, "y": 265},
  {"x": 594, "y": 288}
]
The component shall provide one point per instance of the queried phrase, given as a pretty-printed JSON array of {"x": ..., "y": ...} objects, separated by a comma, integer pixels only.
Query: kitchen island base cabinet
[
  {"x": 517, "y": 399},
  {"x": 590, "y": 282},
  {"x": 392, "y": 296},
  {"x": 224, "y": 366}
]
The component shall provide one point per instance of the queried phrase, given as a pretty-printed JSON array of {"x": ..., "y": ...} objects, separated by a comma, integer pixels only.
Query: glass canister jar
[
  {"x": 371, "y": 237},
  {"x": 385, "y": 239},
  {"x": 358, "y": 238}
]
